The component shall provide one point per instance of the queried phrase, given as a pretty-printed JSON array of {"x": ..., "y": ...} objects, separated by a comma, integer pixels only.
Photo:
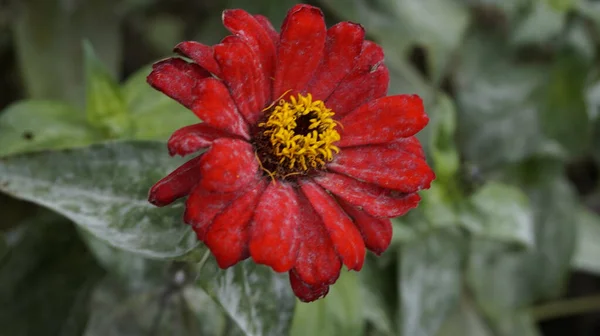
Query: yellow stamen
[{"x": 293, "y": 149}]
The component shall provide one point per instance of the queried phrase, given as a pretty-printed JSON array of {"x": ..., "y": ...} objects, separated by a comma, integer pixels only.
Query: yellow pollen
[{"x": 311, "y": 146}]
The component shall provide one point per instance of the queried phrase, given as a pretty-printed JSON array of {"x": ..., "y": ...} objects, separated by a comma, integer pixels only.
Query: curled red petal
[
  {"x": 342, "y": 47},
  {"x": 229, "y": 165},
  {"x": 384, "y": 166},
  {"x": 300, "y": 49},
  {"x": 346, "y": 239},
  {"x": 251, "y": 31},
  {"x": 376, "y": 231},
  {"x": 317, "y": 263},
  {"x": 383, "y": 120},
  {"x": 274, "y": 237},
  {"x": 202, "y": 206},
  {"x": 201, "y": 54},
  {"x": 306, "y": 292},
  {"x": 268, "y": 27},
  {"x": 367, "y": 81},
  {"x": 229, "y": 234},
  {"x": 245, "y": 81},
  {"x": 192, "y": 138},
  {"x": 215, "y": 107},
  {"x": 373, "y": 199},
  {"x": 177, "y": 184},
  {"x": 176, "y": 78}
]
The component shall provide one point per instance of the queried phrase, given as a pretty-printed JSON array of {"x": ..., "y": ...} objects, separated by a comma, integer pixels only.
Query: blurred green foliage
[{"x": 512, "y": 88}]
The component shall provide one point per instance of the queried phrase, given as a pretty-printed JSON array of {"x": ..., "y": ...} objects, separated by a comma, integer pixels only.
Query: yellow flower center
[{"x": 301, "y": 133}]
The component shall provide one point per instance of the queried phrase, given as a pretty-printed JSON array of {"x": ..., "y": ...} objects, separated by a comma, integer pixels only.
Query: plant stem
[{"x": 566, "y": 308}]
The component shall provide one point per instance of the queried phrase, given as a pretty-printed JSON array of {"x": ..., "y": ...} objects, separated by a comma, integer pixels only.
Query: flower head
[{"x": 303, "y": 159}]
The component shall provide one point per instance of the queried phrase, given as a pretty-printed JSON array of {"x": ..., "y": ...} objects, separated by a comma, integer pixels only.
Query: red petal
[
  {"x": 244, "y": 25},
  {"x": 373, "y": 199},
  {"x": 345, "y": 237},
  {"x": 246, "y": 82},
  {"x": 215, "y": 107},
  {"x": 383, "y": 120},
  {"x": 177, "y": 184},
  {"x": 300, "y": 49},
  {"x": 368, "y": 80},
  {"x": 202, "y": 206},
  {"x": 201, "y": 54},
  {"x": 317, "y": 262},
  {"x": 385, "y": 166},
  {"x": 274, "y": 238},
  {"x": 268, "y": 27},
  {"x": 176, "y": 78},
  {"x": 376, "y": 232},
  {"x": 410, "y": 144},
  {"x": 229, "y": 233},
  {"x": 306, "y": 292},
  {"x": 229, "y": 165},
  {"x": 190, "y": 139},
  {"x": 342, "y": 47}
]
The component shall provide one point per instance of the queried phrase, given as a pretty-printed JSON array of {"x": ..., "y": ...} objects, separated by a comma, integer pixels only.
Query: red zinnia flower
[{"x": 306, "y": 159}]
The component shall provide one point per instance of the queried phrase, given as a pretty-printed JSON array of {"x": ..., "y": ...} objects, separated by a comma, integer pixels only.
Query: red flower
[{"x": 306, "y": 159}]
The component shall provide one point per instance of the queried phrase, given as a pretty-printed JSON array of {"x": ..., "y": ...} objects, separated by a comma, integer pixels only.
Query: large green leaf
[
  {"x": 563, "y": 115},
  {"x": 430, "y": 281},
  {"x": 31, "y": 125},
  {"x": 498, "y": 106},
  {"x": 504, "y": 279},
  {"x": 48, "y": 35},
  {"x": 339, "y": 313},
  {"x": 587, "y": 252},
  {"x": 499, "y": 211},
  {"x": 257, "y": 300},
  {"x": 104, "y": 189},
  {"x": 154, "y": 115},
  {"x": 45, "y": 279}
]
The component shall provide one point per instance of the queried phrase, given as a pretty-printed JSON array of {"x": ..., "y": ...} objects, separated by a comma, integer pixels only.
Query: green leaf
[
  {"x": 104, "y": 189},
  {"x": 257, "y": 300},
  {"x": 588, "y": 242},
  {"x": 441, "y": 139},
  {"x": 339, "y": 313},
  {"x": 154, "y": 115},
  {"x": 32, "y": 125},
  {"x": 105, "y": 105},
  {"x": 430, "y": 281},
  {"x": 437, "y": 210},
  {"x": 48, "y": 36},
  {"x": 513, "y": 323},
  {"x": 503, "y": 278},
  {"x": 540, "y": 25},
  {"x": 501, "y": 212},
  {"x": 564, "y": 116},
  {"x": 465, "y": 321},
  {"x": 119, "y": 310},
  {"x": 378, "y": 306},
  {"x": 132, "y": 270},
  {"x": 498, "y": 106},
  {"x": 562, "y": 5},
  {"x": 46, "y": 279}
]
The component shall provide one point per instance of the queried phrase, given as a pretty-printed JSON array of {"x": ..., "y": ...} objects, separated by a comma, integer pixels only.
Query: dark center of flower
[{"x": 295, "y": 137}]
